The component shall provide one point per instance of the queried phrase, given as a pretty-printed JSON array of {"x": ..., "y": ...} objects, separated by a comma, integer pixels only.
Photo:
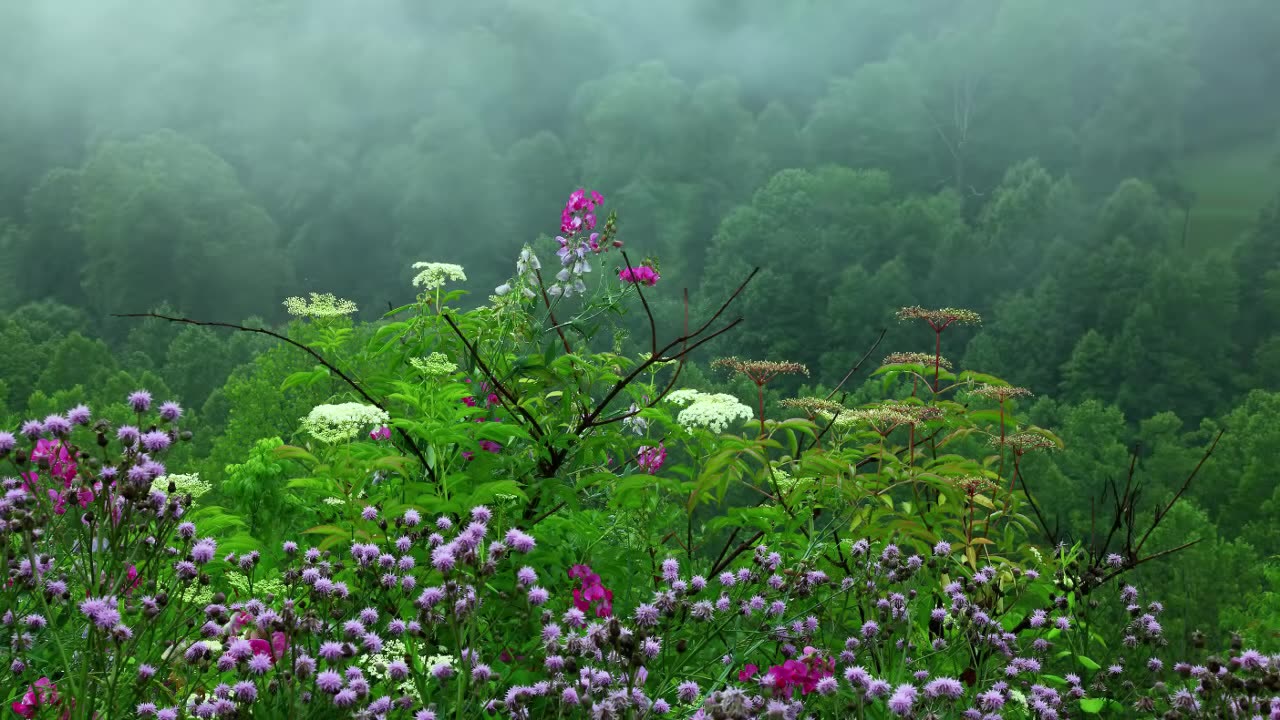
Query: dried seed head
[
  {"x": 940, "y": 318},
  {"x": 917, "y": 414},
  {"x": 814, "y": 406},
  {"x": 1000, "y": 392},
  {"x": 761, "y": 371},
  {"x": 974, "y": 484},
  {"x": 916, "y": 358},
  {"x": 1024, "y": 442}
]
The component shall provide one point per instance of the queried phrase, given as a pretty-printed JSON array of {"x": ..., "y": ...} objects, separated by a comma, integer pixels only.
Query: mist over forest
[{"x": 1099, "y": 180}]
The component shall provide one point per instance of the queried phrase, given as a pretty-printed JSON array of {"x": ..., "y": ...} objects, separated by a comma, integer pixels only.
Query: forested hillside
[{"x": 1100, "y": 181}]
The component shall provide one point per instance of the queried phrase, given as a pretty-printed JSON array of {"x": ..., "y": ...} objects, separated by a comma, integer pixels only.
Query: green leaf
[
  {"x": 1093, "y": 705},
  {"x": 1087, "y": 663},
  {"x": 293, "y": 452}
]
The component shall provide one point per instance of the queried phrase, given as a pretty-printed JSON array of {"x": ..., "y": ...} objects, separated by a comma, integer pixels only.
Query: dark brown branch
[
  {"x": 551, "y": 314},
  {"x": 514, "y": 403},
  {"x": 1052, "y": 535},
  {"x": 413, "y": 446},
  {"x": 653, "y": 327},
  {"x": 741, "y": 548},
  {"x": 857, "y": 365},
  {"x": 690, "y": 348},
  {"x": 589, "y": 419},
  {"x": 1161, "y": 513},
  {"x": 548, "y": 513}
]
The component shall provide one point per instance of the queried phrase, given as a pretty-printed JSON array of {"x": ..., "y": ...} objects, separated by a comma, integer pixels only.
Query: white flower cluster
[
  {"x": 336, "y": 423},
  {"x": 526, "y": 265},
  {"x": 321, "y": 306},
  {"x": 334, "y": 502},
  {"x": 713, "y": 411},
  {"x": 437, "y": 660},
  {"x": 435, "y": 275},
  {"x": 377, "y": 665},
  {"x": 437, "y": 364},
  {"x": 184, "y": 484},
  {"x": 683, "y": 396}
]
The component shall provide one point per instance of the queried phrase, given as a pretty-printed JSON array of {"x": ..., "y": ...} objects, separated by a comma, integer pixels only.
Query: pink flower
[
  {"x": 275, "y": 649},
  {"x": 382, "y": 433},
  {"x": 641, "y": 274},
  {"x": 60, "y": 467},
  {"x": 592, "y": 592},
  {"x": 134, "y": 579},
  {"x": 748, "y": 672},
  {"x": 43, "y": 692},
  {"x": 650, "y": 459},
  {"x": 804, "y": 673}
]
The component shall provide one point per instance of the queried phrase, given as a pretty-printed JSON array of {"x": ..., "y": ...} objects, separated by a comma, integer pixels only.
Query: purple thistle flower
[
  {"x": 329, "y": 681},
  {"x": 57, "y": 426},
  {"x": 170, "y": 411},
  {"x": 345, "y": 698},
  {"x": 128, "y": 435},
  {"x": 480, "y": 514},
  {"x": 877, "y": 689},
  {"x": 520, "y": 541},
  {"x": 32, "y": 429},
  {"x": 7, "y": 442},
  {"x": 646, "y": 615},
  {"x": 538, "y": 596},
  {"x": 412, "y": 518},
  {"x": 140, "y": 401},
  {"x": 944, "y": 687},
  {"x": 245, "y": 691},
  {"x": 79, "y": 415},
  {"x": 155, "y": 441},
  {"x": 305, "y": 665},
  {"x": 204, "y": 550},
  {"x": 369, "y": 513},
  {"x": 169, "y": 713},
  {"x": 442, "y": 558},
  {"x": 526, "y": 576}
]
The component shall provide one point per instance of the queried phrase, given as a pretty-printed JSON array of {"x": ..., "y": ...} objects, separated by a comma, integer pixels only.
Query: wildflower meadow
[{"x": 503, "y": 513}]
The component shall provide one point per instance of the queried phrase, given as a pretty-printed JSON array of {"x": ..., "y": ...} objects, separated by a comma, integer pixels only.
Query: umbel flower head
[
  {"x": 322, "y": 305},
  {"x": 1025, "y": 442},
  {"x": 1000, "y": 392},
  {"x": 437, "y": 364},
  {"x": 815, "y": 406},
  {"x": 337, "y": 423},
  {"x": 713, "y": 411},
  {"x": 761, "y": 371},
  {"x": 916, "y": 358},
  {"x": 941, "y": 317},
  {"x": 433, "y": 276},
  {"x": 182, "y": 484}
]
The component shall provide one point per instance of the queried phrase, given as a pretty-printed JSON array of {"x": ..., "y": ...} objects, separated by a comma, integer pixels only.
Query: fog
[{"x": 294, "y": 146}]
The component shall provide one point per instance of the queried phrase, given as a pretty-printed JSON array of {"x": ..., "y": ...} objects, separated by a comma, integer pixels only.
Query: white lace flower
[
  {"x": 714, "y": 412},
  {"x": 184, "y": 484},
  {"x": 437, "y": 364},
  {"x": 336, "y": 423},
  {"x": 321, "y": 306},
  {"x": 435, "y": 275},
  {"x": 683, "y": 396}
]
